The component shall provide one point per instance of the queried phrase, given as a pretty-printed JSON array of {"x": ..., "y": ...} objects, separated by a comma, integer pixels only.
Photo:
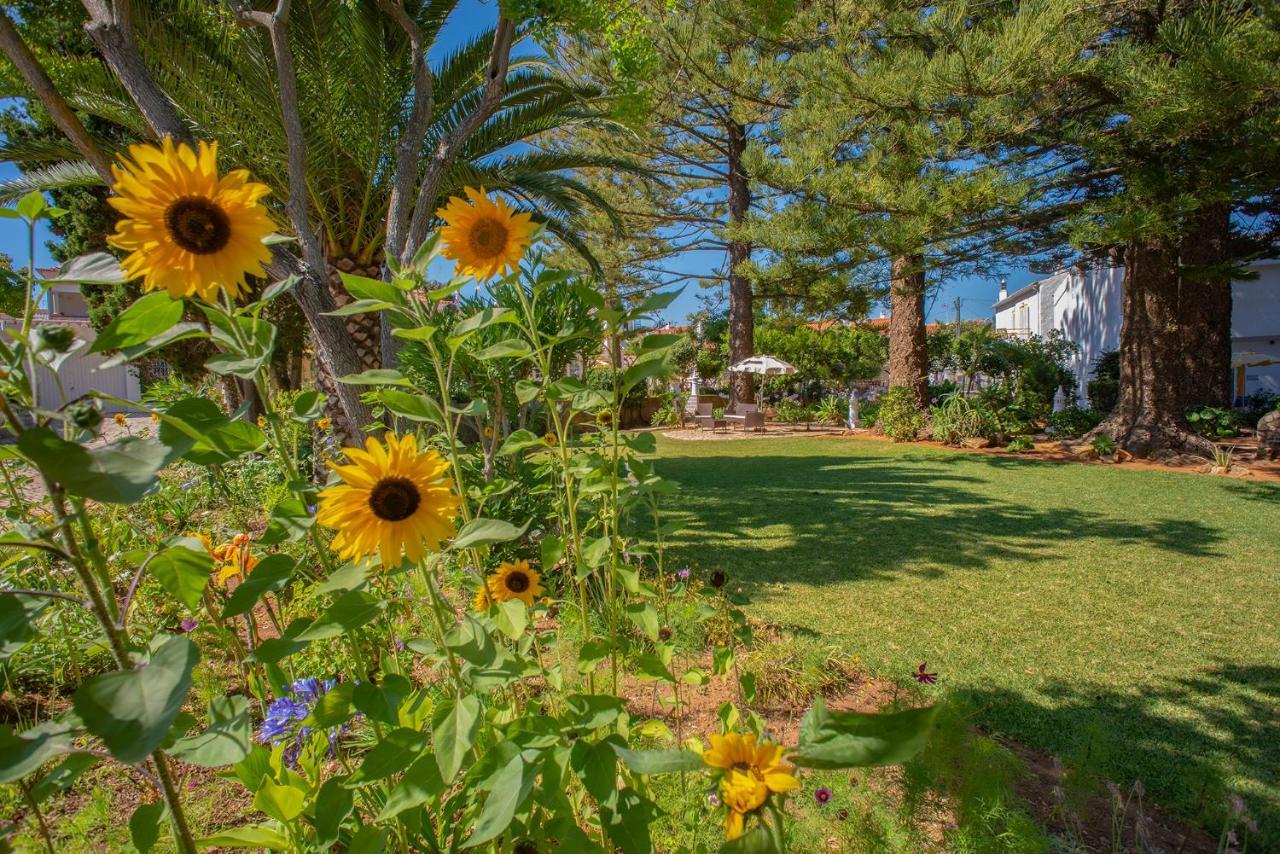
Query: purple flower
[
  {"x": 284, "y": 717},
  {"x": 188, "y": 624},
  {"x": 925, "y": 678},
  {"x": 713, "y": 799},
  {"x": 311, "y": 509},
  {"x": 683, "y": 575},
  {"x": 822, "y": 795}
]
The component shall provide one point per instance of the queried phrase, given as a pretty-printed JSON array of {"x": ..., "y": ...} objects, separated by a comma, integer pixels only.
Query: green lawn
[{"x": 1128, "y": 616}]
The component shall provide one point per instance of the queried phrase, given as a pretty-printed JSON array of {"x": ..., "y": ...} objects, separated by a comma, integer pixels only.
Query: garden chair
[{"x": 748, "y": 415}]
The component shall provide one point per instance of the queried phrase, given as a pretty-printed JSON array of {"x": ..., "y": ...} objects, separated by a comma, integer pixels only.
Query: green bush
[
  {"x": 793, "y": 413},
  {"x": 1020, "y": 444},
  {"x": 1104, "y": 444},
  {"x": 1213, "y": 422},
  {"x": 831, "y": 410},
  {"x": 1073, "y": 422},
  {"x": 1104, "y": 388},
  {"x": 900, "y": 416},
  {"x": 959, "y": 418}
]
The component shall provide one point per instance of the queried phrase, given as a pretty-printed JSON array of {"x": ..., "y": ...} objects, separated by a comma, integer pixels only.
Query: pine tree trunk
[
  {"x": 1148, "y": 418},
  {"x": 742, "y": 331},
  {"x": 908, "y": 346},
  {"x": 1204, "y": 308}
]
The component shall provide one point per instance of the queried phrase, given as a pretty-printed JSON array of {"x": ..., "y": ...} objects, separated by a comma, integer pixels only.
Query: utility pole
[{"x": 958, "y": 301}]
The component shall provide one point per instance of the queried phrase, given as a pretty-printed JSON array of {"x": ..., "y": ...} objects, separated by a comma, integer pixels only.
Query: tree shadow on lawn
[
  {"x": 854, "y": 518},
  {"x": 1183, "y": 739}
]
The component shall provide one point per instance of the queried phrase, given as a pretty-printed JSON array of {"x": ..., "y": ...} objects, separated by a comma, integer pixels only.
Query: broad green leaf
[
  {"x": 63, "y": 776},
  {"x": 518, "y": 441},
  {"x": 507, "y": 790},
  {"x": 289, "y": 521},
  {"x": 592, "y": 653},
  {"x": 132, "y": 710},
  {"x": 333, "y": 804},
  {"x": 32, "y": 205},
  {"x": 225, "y": 740},
  {"x": 308, "y": 406},
  {"x": 484, "y": 532},
  {"x": 272, "y": 650},
  {"x": 415, "y": 407},
  {"x": 651, "y": 667},
  {"x": 505, "y": 349},
  {"x": 417, "y": 333},
  {"x": 552, "y": 549},
  {"x": 391, "y": 754},
  {"x": 596, "y": 765},
  {"x": 645, "y": 616},
  {"x": 118, "y": 473},
  {"x": 249, "y": 836},
  {"x": 420, "y": 782},
  {"x": 334, "y": 708},
  {"x": 660, "y": 761},
  {"x": 283, "y": 803},
  {"x": 363, "y": 288},
  {"x": 595, "y": 551},
  {"x": 144, "y": 825},
  {"x": 511, "y": 618},
  {"x": 271, "y": 575},
  {"x": 178, "y": 332},
  {"x": 376, "y": 376},
  {"x": 593, "y": 711},
  {"x": 17, "y": 620},
  {"x": 361, "y": 306},
  {"x": 456, "y": 725},
  {"x": 24, "y": 752},
  {"x": 219, "y": 439},
  {"x": 183, "y": 571},
  {"x": 139, "y": 323},
  {"x": 856, "y": 739},
  {"x": 381, "y": 702},
  {"x": 526, "y": 390},
  {"x": 95, "y": 268},
  {"x": 352, "y": 610},
  {"x": 486, "y": 317},
  {"x": 282, "y": 287}
]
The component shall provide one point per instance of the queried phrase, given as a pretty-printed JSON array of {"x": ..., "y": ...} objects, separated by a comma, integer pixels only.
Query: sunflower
[
  {"x": 188, "y": 231},
  {"x": 750, "y": 773},
  {"x": 393, "y": 501},
  {"x": 484, "y": 237},
  {"x": 511, "y": 581},
  {"x": 231, "y": 560}
]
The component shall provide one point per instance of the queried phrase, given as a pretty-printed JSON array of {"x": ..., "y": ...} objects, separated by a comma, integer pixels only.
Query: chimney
[{"x": 1004, "y": 290}]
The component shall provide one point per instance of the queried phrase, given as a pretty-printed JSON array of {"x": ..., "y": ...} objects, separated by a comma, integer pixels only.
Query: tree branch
[
  {"x": 410, "y": 142},
  {"x": 65, "y": 117},
  {"x": 495, "y": 85}
]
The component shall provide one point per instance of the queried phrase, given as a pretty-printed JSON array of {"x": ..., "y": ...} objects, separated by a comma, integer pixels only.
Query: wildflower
[
  {"x": 155, "y": 418},
  {"x": 751, "y": 773},
  {"x": 485, "y": 237},
  {"x": 188, "y": 231},
  {"x": 718, "y": 578},
  {"x": 233, "y": 559},
  {"x": 262, "y": 421},
  {"x": 188, "y": 624},
  {"x": 822, "y": 795},
  {"x": 513, "y": 581},
  {"x": 683, "y": 575},
  {"x": 282, "y": 723},
  {"x": 324, "y": 423},
  {"x": 393, "y": 501},
  {"x": 119, "y": 419},
  {"x": 925, "y": 678},
  {"x": 550, "y": 439},
  {"x": 713, "y": 799}
]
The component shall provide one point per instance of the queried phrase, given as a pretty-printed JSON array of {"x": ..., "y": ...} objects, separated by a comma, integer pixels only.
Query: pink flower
[
  {"x": 925, "y": 678},
  {"x": 188, "y": 624},
  {"x": 822, "y": 795}
]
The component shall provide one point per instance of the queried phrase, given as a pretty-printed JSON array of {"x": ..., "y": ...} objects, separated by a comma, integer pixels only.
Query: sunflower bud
[
  {"x": 85, "y": 415},
  {"x": 55, "y": 338}
]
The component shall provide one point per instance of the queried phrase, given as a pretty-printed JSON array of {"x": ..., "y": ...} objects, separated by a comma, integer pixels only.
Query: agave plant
[{"x": 354, "y": 81}]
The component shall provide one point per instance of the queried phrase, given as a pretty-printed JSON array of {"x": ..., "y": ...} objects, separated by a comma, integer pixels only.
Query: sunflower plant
[{"x": 448, "y": 715}]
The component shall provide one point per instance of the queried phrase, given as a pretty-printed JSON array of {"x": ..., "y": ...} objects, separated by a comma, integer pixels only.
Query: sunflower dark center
[
  {"x": 198, "y": 225},
  {"x": 394, "y": 499},
  {"x": 488, "y": 238},
  {"x": 517, "y": 582}
]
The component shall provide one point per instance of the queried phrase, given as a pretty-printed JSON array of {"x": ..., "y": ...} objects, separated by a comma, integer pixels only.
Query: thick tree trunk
[
  {"x": 1147, "y": 420},
  {"x": 742, "y": 331},
  {"x": 1204, "y": 308},
  {"x": 908, "y": 346}
]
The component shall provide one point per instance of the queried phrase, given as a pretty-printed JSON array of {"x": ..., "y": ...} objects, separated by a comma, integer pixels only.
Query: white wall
[
  {"x": 1022, "y": 317},
  {"x": 1087, "y": 309}
]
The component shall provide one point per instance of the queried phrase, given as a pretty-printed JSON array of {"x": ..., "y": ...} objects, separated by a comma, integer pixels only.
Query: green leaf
[
  {"x": 178, "y": 332},
  {"x": 456, "y": 724},
  {"x": 289, "y": 521},
  {"x": 376, "y": 376},
  {"x": 333, "y": 804},
  {"x": 415, "y": 407},
  {"x": 31, "y": 205},
  {"x": 63, "y": 776},
  {"x": 183, "y": 571},
  {"x": 334, "y": 708},
  {"x": 394, "y": 752},
  {"x": 857, "y": 739},
  {"x": 308, "y": 406},
  {"x": 417, "y": 333},
  {"x": 756, "y": 840},
  {"x": 360, "y": 306},
  {"x": 364, "y": 288},
  {"x": 551, "y": 549},
  {"x": 218, "y": 439},
  {"x": 486, "y": 317},
  {"x": 506, "y": 790},
  {"x": 24, "y": 752},
  {"x": 651, "y": 667},
  {"x": 17, "y": 621},
  {"x": 421, "y": 782},
  {"x": 225, "y": 741},
  {"x": 352, "y": 610},
  {"x": 485, "y": 532},
  {"x": 511, "y": 618},
  {"x": 121, "y": 472},
  {"x": 248, "y": 836},
  {"x": 381, "y": 702},
  {"x": 595, "y": 551},
  {"x": 283, "y": 803},
  {"x": 660, "y": 761},
  {"x": 271, "y": 575},
  {"x": 526, "y": 390},
  {"x": 518, "y": 441},
  {"x": 132, "y": 710},
  {"x": 592, "y": 653},
  {"x": 145, "y": 319},
  {"x": 645, "y": 616},
  {"x": 282, "y": 287},
  {"x": 505, "y": 349},
  {"x": 144, "y": 825}
]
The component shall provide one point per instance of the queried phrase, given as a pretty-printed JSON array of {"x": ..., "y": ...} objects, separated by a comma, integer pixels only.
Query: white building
[
  {"x": 83, "y": 372},
  {"x": 1085, "y": 306}
]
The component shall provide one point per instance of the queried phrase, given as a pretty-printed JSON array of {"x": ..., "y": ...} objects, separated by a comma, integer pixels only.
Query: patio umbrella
[
  {"x": 1253, "y": 359},
  {"x": 768, "y": 366}
]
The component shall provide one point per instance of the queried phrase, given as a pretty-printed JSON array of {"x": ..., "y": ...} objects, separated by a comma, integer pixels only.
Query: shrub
[
  {"x": 793, "y": 413},
  {"x": 1020, "y": 444},
  {"x": 1213, "y": 422},
  {"x": 1104, "y": 444},
  {"x": 959, "y": 418},
  {"x": 1255, "y": 406},
  {"x": 900, "y": 416},
  {"x": 831, "y": 410},
  {"x": 1104, "y": 388},
  {"x": 1073, "y": 422}
]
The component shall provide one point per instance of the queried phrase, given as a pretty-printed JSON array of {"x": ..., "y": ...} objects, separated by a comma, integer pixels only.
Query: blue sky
[{"x": 472, "y": 16}]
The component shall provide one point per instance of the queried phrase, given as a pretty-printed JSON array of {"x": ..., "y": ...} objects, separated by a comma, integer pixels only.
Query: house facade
[{"x": 1084, "y": 304}]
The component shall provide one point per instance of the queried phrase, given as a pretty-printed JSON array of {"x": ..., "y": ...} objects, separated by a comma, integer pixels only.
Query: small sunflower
[
  {"x": 750, "y": 773},
  {"x": 120, "y": 420},
  {"x": 393, "y": 501},
  {"x": 189, "y": 231},
  {"x": 511, "y": 581},
  {"x": 485, "y": 237},
  {"x": 324, "y": 423},
  {"x": 550, "y": 439}
]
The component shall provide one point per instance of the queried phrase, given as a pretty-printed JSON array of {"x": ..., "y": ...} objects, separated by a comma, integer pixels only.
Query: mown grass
[{"x": 1122, "y": 619}]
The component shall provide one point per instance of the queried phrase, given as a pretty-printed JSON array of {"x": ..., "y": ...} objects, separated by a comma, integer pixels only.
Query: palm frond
[{"x": 74, "y": 173}]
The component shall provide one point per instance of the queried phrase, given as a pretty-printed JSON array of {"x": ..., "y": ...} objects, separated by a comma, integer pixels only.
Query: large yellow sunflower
[
  {"x": 485, "y": 237},
  {"x": 187, "y": 230},
  {"x": 393, "y": 501},
  {"x": 751, "y": 772},
  {"x": 510, "y": 581}
]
